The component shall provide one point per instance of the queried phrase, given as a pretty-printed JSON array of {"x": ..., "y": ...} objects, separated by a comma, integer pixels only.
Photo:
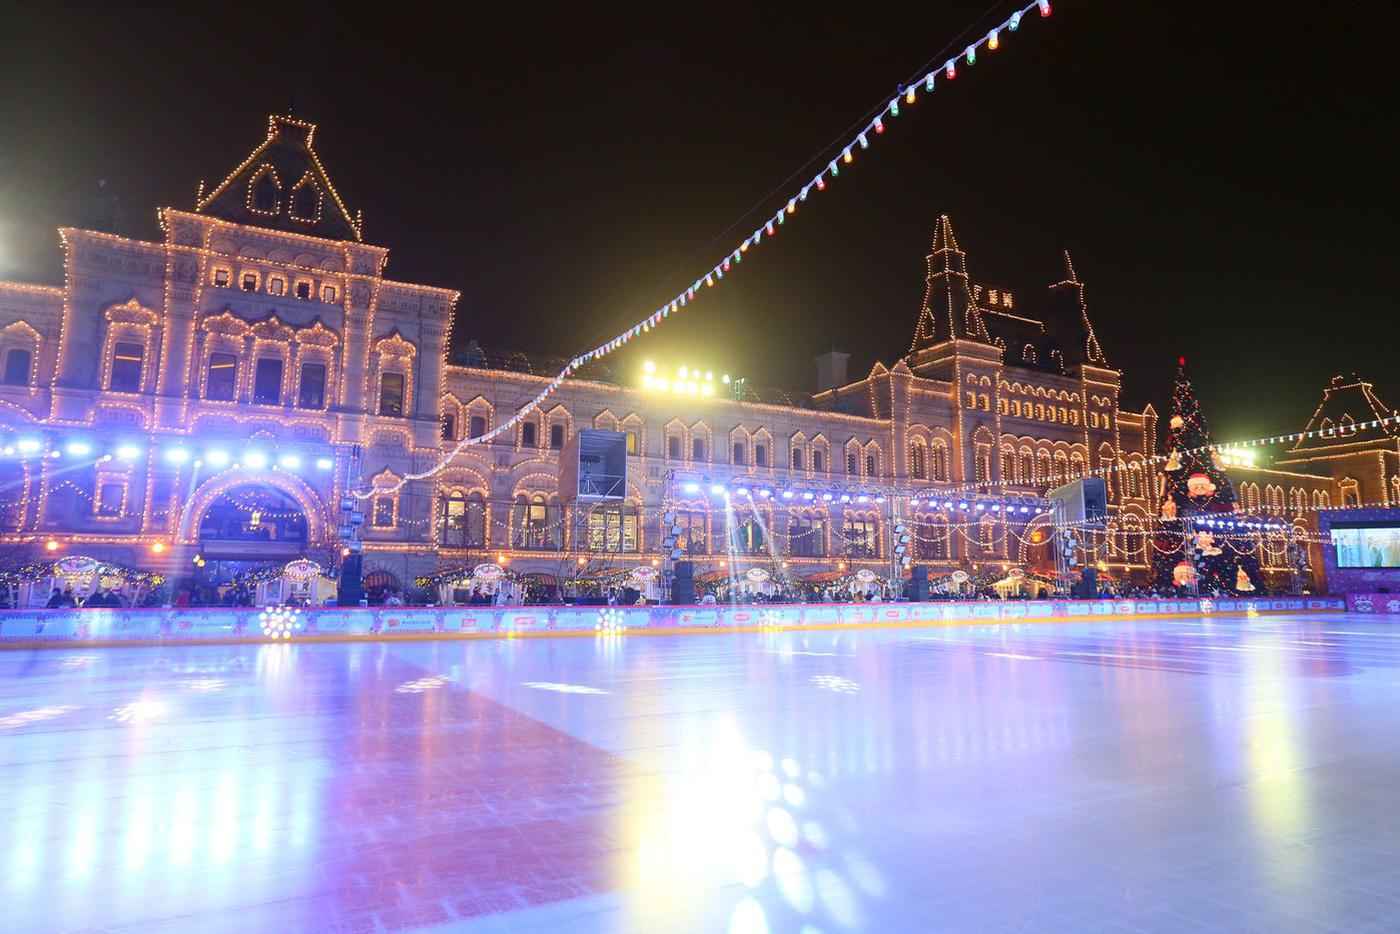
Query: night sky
[{"x": 1217, "y": 171}]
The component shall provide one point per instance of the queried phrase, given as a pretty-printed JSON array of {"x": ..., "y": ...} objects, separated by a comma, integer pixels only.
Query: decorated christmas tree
[{"x": 1189, "y": 550}]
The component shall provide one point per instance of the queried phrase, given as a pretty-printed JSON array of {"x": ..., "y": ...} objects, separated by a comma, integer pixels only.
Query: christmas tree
[{"x": 1189, "y": 554}]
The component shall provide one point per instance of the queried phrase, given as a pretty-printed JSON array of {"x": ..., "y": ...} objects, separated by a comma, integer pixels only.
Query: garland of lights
[{"x": 767, "y": 229}]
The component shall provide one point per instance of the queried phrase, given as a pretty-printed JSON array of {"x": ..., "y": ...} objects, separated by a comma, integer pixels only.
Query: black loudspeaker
[
  {"x": 919, "y": 588},
  {"x": 351, "y": 588},
  {"x": 683, "y": 582},
  {"x": 1087, "y": 588}
]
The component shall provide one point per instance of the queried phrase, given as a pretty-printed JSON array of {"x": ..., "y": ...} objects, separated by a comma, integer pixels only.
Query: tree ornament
[
  {"x": 1173, "y": 461},
  {"x": 1205, "y": 541},
  {"x": 1176, "y": 421},
  {"x": 1169, "y": 508},
  {"x": 1242, "y": 582},
  {"x": 1199, "y": 485},
  {"x": 1184, "y": 574}
]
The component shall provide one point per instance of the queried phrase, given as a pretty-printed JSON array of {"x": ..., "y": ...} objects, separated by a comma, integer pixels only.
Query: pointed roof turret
[
  {"x": 282, "y": 185},
  {"x": 1068, "y": 320},
  {"x": 949, "y": 311}
]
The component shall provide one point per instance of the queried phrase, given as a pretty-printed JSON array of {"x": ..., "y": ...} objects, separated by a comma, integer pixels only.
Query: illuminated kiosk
[{"x": 302, "y": 582}]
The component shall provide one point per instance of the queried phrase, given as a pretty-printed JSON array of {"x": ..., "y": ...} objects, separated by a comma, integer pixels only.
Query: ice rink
[{"x": 1158, "y": 775}]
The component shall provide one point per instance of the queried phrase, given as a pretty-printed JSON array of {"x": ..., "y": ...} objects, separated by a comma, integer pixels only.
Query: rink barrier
[{"x": 103, "y": 626}]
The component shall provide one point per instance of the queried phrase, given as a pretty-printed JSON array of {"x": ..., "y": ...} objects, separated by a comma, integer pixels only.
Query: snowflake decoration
[
  {"x": 609, "y": 621},
  {"x": 1206, "y": 605},
  {"x": 279, "y": 622},
  {"x": 770, "y": 619}
]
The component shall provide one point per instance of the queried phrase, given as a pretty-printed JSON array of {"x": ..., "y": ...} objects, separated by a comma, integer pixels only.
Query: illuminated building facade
[
  {"x": 218, "y": 392},
  {"x": 222, "y": 391}
]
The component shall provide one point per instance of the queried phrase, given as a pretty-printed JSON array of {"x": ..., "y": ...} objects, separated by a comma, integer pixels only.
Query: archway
[{"x": 232, "y": 481}]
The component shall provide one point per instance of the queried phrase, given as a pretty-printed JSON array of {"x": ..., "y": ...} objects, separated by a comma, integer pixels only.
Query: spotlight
[
  {"x": 787, "y": 494},
  {"x": 765, "y": 493},
  {"x": 826, "y": 497},
  {"x": 809, "y": 496},
  {"x": 324, "y": 463},
  {"x": 51, "y": 545},
  {"x": 845, "y": 497},
  {"x": 177, "y": 455},
  {"x": 158, "y": 547},
  {"x": 742, "y": 491},
  {"x": 254, "y": 459},
  {"x": 217, "y": 457},
  {"x": 692, "y": 488},
  {"x": 717, "y": 489},
  {"x": 879, "y": 499},
  {"x": 28, "y": 445},
  {"x": 862, "y": 498},
  {"x": 289, "y": 461},
  {"x": 128, "y": 452},
  {"x": 78, "y": 449}
]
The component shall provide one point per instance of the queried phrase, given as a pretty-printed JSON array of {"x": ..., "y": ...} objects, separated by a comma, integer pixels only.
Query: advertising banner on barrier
[{"x": 217, "y": 623}]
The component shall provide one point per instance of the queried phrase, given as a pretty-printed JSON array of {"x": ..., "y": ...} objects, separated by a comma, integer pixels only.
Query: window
[
  {"x": 536, "y": 523},
  {"x": 126, "y": 367},
  {"x": 276, "y": 285},
  {"x": 818, "y": 461},
  {"x": 17, "y": 367},
  {"x": 612, "y": 528},
  {"x": 737, "y": 456},
  {"x": 222, "y": 381},
  {"x": 265, "y": 194},
  {"x": 249, "y": 282},
  {"x": 851, "y": 466},
  {"x": 916, "y": 462},
  {"x": 111, "y": 499},
  {"x": 556, "y": 437},
  {"x": 673, "y": 448},
  {"x": 861, "y": 536},
  {"x": 449, "y": 428},
  {"x": 329, "y": 294},
  {"x": 760, "y": 455},
  {"x": 870, "y": 465},
  {"x": 312, "y": 389},
  {"x": 267, "y": 381},
  {"x": 463, "y": 521},
  {"x": 691, "y": 538},
  {"x": 303, "y": 289},
  {"x": 806, "y": 536},
  {"x": 747, "y": 537},
  {"x": 382, "y": 515},
  {"x": 796, "y": 458},
  {"x": 697, "y": 449},
  {"x": 304, "y": 202},
  {"x": 476, "y": 426},
  {"x": 222, "y": 277},
  {"x": 631, "y": 442},
  {"x": 391, "y": 394},
  {"x": 527, "y": 435}
]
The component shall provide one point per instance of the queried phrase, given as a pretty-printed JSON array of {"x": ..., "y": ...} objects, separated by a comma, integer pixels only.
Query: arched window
[
  {"x": 796, "y": 458},
  {"x": 697, "y": 450},
  {"x": 536, "y": 522},
  {"x": 221, "y": 382},
  {"x": 17, "y": 363},
  {"x": 932, "y": 541},
  {"x": 916, "y": 462},
  {"x": 818, "y": 460},
  {"x": 463, "y": 521},
  {"x": 852, "y": 466},
  {"x": 871, "y": 468},
  {"x": 938, "y": 460},
  {"x": 306, "y": 201},
  {"x": 476, "y": 426},
  {"x": 1350, "y": 492}
]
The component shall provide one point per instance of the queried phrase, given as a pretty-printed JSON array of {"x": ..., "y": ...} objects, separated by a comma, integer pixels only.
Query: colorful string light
[{"x": 682, "y": 299}]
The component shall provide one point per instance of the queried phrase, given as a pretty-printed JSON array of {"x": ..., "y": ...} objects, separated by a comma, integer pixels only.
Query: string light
[{"x": 891, "y": 109}]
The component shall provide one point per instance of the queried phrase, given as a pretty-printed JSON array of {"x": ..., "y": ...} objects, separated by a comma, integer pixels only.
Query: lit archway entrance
[{"x": 253, "y": 522}]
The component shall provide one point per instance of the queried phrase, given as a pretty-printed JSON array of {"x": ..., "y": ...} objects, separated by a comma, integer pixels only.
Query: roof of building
[
  {"x": 282, "y": 185},
  {"x": 1346, "y": 402},
  {"x": 1058, "y": 336}
]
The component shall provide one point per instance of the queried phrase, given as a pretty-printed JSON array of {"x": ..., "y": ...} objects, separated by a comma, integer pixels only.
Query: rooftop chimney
[{"x": 831, "y": 368}]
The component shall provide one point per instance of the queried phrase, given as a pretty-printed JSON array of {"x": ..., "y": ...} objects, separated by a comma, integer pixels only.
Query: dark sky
[{"x": 1218, "y": 171}]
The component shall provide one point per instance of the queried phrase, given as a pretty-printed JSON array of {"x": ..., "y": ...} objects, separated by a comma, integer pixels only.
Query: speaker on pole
[
  {"x": 683, "y": 582},
  {"x": 920, "y": 588}
]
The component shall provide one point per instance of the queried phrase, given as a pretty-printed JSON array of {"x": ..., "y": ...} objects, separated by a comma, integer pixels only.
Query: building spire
[
  {"x": 949, "y": 311},
  {"x": 1070, "y": 317}
]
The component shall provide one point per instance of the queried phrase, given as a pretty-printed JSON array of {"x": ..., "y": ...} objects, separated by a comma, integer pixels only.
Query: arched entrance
[{"x": 253, "y": 521}]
